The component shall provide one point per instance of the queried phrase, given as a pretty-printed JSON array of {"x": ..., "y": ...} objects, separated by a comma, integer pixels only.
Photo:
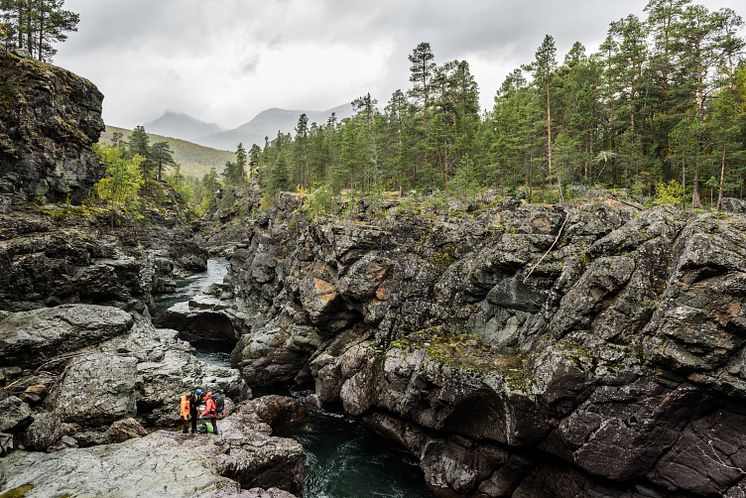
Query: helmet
[{"x": 198, "y": 391}]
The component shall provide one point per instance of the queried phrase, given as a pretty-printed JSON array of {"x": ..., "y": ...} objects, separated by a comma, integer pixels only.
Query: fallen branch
[{"x": 559, "y": 234}]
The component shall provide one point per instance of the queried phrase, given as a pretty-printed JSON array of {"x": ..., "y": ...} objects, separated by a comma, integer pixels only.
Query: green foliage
[
  {"x": 668, "y": 193},
  {"x": 120, "y": 189},
  {"x": 445, "y": 257},
  {"x": 321, "y": 202},
  {"x": 19, "y": 492}
]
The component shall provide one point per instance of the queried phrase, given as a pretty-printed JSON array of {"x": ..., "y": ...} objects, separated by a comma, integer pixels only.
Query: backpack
[{"x": 219, "y": 404}]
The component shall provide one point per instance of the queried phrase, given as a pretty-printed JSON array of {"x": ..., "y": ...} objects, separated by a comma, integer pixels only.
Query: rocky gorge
[
  {"x": 517, "y": 350},
  {"x": 594, "y": 349}
]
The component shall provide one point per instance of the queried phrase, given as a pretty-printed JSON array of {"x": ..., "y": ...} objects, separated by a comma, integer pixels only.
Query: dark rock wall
[
  {"x": 49, "y": 118},
  {"x": 611, "y": 366}
]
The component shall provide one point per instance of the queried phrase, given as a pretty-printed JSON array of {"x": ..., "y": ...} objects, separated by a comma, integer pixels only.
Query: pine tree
[
  {"x": 37, "y": 25},
  {"x": 161, "y": 156},
  {"x": 543, "y": 67}
]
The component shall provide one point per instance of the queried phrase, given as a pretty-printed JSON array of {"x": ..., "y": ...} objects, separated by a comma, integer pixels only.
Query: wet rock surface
[{"x": 608, "y": 366}]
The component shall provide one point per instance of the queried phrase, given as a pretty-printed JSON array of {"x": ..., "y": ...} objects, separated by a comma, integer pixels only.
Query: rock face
[
  {"x": 169, "y": 464},
  {"x": 49, "y": 117},
  {"x": 46, "y": 261},
  {"x": 612, "y": 365}
]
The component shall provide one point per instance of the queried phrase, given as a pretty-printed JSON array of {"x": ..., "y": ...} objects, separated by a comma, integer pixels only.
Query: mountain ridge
[
  {"x": 267, "y": 123},
  {"x": 181, "y": 125}
]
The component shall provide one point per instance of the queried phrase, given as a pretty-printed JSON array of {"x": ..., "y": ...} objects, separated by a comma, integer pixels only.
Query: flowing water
[
  {"x": 189, "y": 287},
  {"x": 343, "y": 458}
]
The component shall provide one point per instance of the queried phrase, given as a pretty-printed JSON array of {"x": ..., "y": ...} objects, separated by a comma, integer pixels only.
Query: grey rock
[
  {"x": 53, "y": 117},
  {"x": 28, "y": 338},
  {"x": 96, "y": 389},
  {"x": 43, "y": 432},
  {"x": 14, "y": 414}
]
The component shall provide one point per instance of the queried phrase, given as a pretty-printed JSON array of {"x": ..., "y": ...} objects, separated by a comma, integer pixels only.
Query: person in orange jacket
[
  {"x": 210, "y": 413},
  {"x": 184, "y": 412}
]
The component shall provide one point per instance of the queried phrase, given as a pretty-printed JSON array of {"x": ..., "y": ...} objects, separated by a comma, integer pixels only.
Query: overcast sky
[{"x": 225, "y": 60}]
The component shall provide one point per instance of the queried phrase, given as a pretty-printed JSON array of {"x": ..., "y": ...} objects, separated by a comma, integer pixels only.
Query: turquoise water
[{"x": 345, "y": 460}]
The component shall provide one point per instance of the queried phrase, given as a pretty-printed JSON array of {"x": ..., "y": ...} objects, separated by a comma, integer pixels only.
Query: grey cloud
[{"x": 215, "y": 48}]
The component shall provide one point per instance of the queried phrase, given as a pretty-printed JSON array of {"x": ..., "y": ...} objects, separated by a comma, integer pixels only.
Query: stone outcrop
[
  {"x": 49, "y": 118},
  {"x": 610, "y": 365}
]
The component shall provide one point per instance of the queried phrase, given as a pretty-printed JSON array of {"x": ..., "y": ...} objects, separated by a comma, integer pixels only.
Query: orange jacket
[
  {"x": 210, "y": 409},
  {"x": 184, "y": 408}
]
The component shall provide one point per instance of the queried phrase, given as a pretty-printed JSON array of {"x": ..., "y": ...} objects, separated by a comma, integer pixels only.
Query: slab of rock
[
  {"x": 28, "y": 338},
  {"x": 157, "y": 465}
]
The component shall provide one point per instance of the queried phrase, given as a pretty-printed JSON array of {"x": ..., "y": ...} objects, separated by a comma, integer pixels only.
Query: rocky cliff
[
  {"x": 590, "y": 351},
  {"x": 49, "y": 118}
]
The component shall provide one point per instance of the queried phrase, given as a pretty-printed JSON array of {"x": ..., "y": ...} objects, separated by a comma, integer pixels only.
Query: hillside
[
  {"x": 180, "y": 125},
  {"x": 195, "y": 160},
  {"x": 266, "y": 124}
]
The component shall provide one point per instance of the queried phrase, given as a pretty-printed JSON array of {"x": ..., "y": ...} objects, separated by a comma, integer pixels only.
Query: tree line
[
  {"x": 35, "y": 25},
  {"x": 661, "y": 106}
]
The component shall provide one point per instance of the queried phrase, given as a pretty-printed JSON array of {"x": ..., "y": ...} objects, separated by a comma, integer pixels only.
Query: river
[{"x": 343, "y": 458}]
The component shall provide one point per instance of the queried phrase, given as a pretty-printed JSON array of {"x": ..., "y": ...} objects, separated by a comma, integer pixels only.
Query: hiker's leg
[
  {"x": 214, "y": 426},
  {"x": 193, "y": 419}
]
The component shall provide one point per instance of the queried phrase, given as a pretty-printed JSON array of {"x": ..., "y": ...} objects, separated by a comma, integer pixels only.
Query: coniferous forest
[{"x": 659, "y": 109}]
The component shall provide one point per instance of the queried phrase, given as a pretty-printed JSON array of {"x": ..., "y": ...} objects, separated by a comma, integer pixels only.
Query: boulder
[
  {"x": 125, "y": 429},
  {"x": 44, "y": 431},
  {"x": 96, "y": 389}
]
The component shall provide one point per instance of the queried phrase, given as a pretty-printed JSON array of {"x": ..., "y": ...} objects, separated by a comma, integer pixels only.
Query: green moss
[
  {"x": 19, "y": 492},
  {"x": 69, "y": 211},
  {"x": 400, "y": 344},
  {"x": 445, "y": 257}
]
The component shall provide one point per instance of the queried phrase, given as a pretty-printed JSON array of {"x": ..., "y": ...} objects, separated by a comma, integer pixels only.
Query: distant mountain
[
  {"x": 180, "y": 125},
  {"x": 267, "y": 124},
  {"x": 195, "y": 160}
]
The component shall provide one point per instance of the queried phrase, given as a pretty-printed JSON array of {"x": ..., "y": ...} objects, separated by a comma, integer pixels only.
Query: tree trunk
[
  {"x": 41, "y": 30},
  {"x": 722, "y": 178},
  {"x": 549, "y": 133},
  {"x": 683, "y": 183},
  {"x": 20, "y": 26},
  {"x": 696, "y": 198},
  {"x": 29, "y": 29}
]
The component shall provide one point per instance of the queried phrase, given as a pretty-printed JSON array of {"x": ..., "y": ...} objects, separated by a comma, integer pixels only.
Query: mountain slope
[
  {"x": 180, "y": 125},
  {"x": 266, "y": 124},
  {"x": 195, "y": 160}
]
